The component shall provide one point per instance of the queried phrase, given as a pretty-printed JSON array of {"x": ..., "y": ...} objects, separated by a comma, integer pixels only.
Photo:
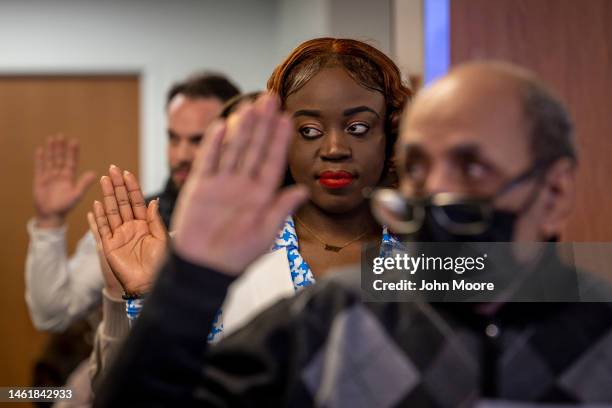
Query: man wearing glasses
[{"x": 487, "y": 133}]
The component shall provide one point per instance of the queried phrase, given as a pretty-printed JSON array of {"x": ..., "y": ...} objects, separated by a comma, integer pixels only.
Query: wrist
[
  {"x": 135, "y": 292},
  {"x": 114, "y": 292},
  {"x": 49, "y": 221}
]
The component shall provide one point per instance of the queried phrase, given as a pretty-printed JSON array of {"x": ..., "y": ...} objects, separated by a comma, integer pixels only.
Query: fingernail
[
  {"x": 111, "y": 166},
  {"x": 125, "y": 172}
]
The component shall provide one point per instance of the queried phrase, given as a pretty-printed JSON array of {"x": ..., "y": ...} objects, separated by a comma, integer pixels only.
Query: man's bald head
[
  {"x": 482, "y": 126},
  {"x": 486, "y": 88}
]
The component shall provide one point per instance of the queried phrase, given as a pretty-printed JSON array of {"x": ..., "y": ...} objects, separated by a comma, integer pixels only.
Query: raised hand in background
[
  {"x": 230, "y": 208},
  {"x": 56, "y": 188},
  {"x": 134, "y": 238}
]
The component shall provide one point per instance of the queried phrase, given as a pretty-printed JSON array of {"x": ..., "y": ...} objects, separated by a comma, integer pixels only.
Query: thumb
[
  {"x": 156, "y": 224},
  {"x": 93, "y": 227},
  {"x": 85, "y": 181}
]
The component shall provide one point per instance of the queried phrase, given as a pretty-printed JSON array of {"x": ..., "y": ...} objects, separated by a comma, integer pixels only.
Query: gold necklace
[{"x": 326, "y": 246}]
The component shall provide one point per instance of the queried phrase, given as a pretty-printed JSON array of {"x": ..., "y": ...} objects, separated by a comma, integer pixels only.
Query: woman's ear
[{"x": 560, "y": 190}]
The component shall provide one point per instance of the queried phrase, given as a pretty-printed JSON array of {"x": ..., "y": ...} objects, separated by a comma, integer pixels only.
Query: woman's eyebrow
[
  {"x": 307, "y": 112},
  {"x": 346, "y": 112},
  {"x": 358, "y": 109}
]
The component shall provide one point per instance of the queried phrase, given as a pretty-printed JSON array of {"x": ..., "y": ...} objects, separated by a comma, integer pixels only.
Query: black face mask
[
  {"x": 447, "y": 217},
  {"x": 499, "y": 228},
  {"x": 445, "y": 235},
  {"x": 425, "y": 223}
]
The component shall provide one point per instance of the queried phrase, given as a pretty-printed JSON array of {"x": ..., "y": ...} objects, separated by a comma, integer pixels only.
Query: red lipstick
[{"x": 335, "y": 179}]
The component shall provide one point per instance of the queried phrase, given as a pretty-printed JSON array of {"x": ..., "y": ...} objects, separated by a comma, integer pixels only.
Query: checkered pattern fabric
[{"x": 423, "y": 355}]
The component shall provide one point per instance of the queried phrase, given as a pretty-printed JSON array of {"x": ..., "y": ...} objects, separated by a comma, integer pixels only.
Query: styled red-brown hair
[{"x": 368, "y": 66}]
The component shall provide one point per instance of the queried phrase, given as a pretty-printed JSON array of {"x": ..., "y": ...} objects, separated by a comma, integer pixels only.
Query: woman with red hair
[{"x": 345, "y": 97}]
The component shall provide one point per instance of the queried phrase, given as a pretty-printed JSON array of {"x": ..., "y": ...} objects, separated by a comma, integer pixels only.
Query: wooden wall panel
[
  {"x": 569, "y": 44},
  {"x": 102, "y": 113}
]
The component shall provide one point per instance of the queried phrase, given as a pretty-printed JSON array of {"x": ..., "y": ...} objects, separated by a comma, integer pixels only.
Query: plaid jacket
[{"x": 325, "y": 347}]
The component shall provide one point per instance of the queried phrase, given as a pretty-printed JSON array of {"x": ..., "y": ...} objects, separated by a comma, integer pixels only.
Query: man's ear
[{"x": 559, "y": 197}]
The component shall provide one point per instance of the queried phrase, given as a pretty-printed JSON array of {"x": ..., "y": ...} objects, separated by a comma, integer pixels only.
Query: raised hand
[
  {"x": 56, "y": 188},
  {"x": 111, "y": 284},
  {"x": 133, "y": 236},
  {"x": 230, "y": 208}
]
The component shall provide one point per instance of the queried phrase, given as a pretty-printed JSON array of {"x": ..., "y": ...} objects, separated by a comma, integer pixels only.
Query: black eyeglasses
[{"x": 459, "y": 214}]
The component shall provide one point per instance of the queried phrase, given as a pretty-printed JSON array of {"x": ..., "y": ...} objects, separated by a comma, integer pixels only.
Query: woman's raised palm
[{"x": 133, "y": 235}]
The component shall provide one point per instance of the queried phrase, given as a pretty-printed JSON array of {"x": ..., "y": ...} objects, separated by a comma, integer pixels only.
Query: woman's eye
[
  {"x": 358, "y": 129},
  {"x": 310, "y": 132}
]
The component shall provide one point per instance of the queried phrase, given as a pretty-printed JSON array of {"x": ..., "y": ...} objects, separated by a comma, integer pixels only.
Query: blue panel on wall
[{"x": 436, "y": 16}]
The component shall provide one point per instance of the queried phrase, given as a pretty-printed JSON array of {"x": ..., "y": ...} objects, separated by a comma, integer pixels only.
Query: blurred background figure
[{"x": 191, "y": 107}]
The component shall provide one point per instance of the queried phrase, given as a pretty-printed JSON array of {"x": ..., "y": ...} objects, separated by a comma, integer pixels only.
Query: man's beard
[{"x": 181, "y": 167}]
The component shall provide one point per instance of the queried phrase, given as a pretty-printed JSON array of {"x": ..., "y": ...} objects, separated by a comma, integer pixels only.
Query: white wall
[
  {"x": 393, "y": 26},
  {"x": 298, "y": 21},
  {"x": 163, "y": 41},
  {"x": 366, "y": 20},
  {"x": 408, "y": 36}
]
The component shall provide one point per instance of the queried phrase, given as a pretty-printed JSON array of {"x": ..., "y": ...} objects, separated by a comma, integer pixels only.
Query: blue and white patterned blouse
[{"x": 301, "y": 274}]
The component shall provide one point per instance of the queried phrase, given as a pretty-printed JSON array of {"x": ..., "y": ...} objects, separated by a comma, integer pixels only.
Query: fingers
[
  {"x": 238, "y": 135},
  {"x": 102, "y": 221},
  {"x": 70, "y": 168},
  {"x": 135, "y": 195},
  {"x": 110, "y": 281},
  {"x": 72, "y": 158},
  {"x": 207, "y": 158},
  {"x": 274, "y": 166},
  {"x": 121, "y": 194},
  {"x": 286, "y": 203},
  {"x": 48, "y": 154},
  {"x": 267, "y": 109},
  {"x": 58, "y": 152},
  {"x": 123, "y": 199},
  {"x": 58, "y": 155},
  {"x": 156, "y": 224},
  {"x": 54, "y": 152},
  {"x": 111, "y": 208}
]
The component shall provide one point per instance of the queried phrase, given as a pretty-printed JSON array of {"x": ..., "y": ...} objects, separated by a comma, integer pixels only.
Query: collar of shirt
[{"x": 301, "y": 274}]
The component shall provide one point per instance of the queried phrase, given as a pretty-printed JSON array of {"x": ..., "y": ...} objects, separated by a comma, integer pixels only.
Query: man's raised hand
[
  {"x": 56, "y": 188},
  {"x": 231, "y": 208}
]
